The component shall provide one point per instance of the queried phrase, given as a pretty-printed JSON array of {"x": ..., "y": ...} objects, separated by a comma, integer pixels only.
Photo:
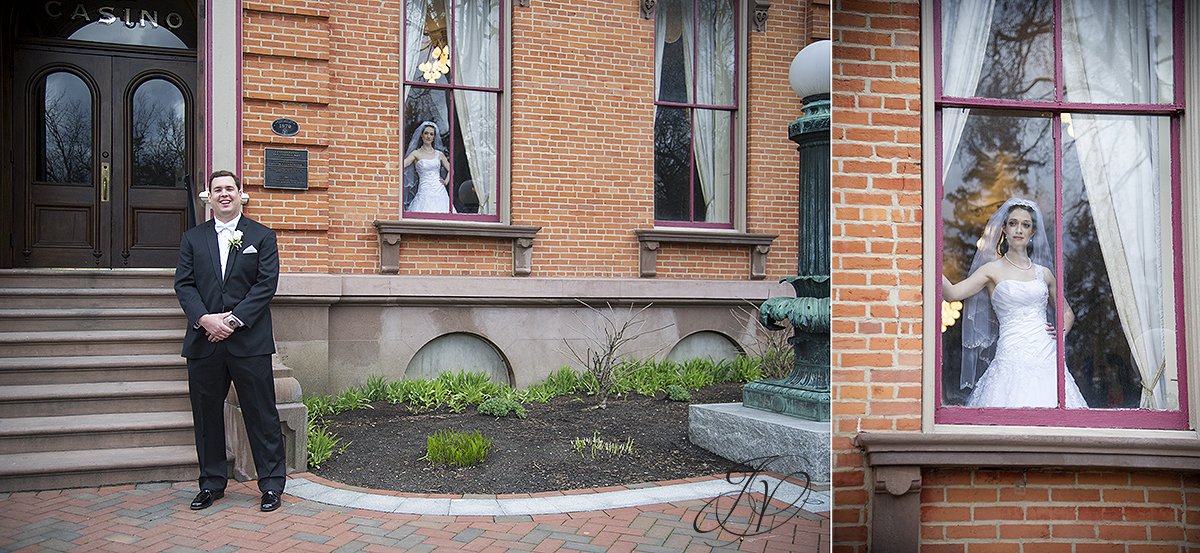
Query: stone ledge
[
  {"x": 649, "y": 241},
  {"x": 739, "y": 433},
  {"x": 391, "y": 232},
  {"x": 980, "y": 450}
]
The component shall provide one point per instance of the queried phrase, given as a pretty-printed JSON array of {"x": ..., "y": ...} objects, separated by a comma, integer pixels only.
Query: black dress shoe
[
  {"x": 271, "y": 501},
  {"x": 205, "y": 499}
]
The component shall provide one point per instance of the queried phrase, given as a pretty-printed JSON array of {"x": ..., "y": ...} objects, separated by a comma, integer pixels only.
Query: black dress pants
[{"x": 208, "y": 384}]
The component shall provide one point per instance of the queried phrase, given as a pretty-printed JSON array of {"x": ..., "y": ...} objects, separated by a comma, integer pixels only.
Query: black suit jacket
[{"x": 246, "y": 289}]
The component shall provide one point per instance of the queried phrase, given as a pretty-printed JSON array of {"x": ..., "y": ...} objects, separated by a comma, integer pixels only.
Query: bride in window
[
  {"x": 425, "y": 190},
  {"x": 1007, "y": 292}
]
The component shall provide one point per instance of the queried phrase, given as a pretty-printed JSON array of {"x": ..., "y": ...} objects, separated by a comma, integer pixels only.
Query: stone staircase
[{"x": 92, "y": 388}]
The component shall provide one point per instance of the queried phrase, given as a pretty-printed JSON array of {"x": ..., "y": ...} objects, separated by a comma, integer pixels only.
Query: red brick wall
[
  {"x": 876, "y": 242},
  {"x": 968, "y": 511},
  {"x": 582, "y": 128}
]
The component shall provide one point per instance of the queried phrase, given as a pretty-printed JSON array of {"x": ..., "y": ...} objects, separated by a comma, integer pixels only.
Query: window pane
[
  {"x": 1118, "y": 51},
  {"x": 426, "y": 105},
  {"x": 712, "y": 165},
  {"x": 426, "y": 42},
  {"x": 159, "y": 135},
  {"x": 474, "y": 159},
  {"x": 999, "y": 156},
  {"x": 1000, "y": 49},
  {"x": 65, "y": 153},
  {"x": 672, "y": 164},
  {"x": 1117, "y": 251},
  {"x": 476, "y": 59},
  {"x": 715, "y": 54},
  {"x": 673, "y": 29}
]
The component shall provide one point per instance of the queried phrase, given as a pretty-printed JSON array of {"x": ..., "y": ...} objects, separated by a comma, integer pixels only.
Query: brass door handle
[{"x": 105, "y": 177}]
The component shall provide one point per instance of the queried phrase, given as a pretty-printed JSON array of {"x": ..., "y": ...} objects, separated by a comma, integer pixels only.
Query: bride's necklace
[{"x": 1014, "y": 264}]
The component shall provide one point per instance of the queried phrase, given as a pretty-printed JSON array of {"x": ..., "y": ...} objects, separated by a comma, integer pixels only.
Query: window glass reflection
[
  {"x": 998, "y": 49},
  {"x": 159, "y": 135},
  {"x": 999, "y": 156},
  {"x": 427, "y": 41},
  {"x": 65, "y": 150}
]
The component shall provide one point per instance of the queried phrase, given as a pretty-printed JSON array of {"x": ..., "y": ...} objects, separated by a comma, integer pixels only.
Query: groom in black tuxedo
[{"x": 227, "y": 273}]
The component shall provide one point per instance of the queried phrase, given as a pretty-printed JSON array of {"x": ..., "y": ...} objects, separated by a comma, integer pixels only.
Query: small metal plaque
[
  {"x": 286, "y": 169},
  {"x": 285, "y": 127}
]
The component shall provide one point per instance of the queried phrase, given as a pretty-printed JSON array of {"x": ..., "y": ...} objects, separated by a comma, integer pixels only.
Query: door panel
[
  {"x": 153, "y": 147},
  {"x": 58, "y": 113}
]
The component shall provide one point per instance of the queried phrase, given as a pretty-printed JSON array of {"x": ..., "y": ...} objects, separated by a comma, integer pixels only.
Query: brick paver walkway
[{"x": 155, "y": 517}]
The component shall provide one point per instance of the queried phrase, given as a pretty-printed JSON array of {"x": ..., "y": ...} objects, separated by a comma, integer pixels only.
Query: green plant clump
[
  {"x": 322, "y": 444},
  {"x": 459, "y": 449},
  {"x": 675, "y": 392},
  {"x": 501, "y": 407}
]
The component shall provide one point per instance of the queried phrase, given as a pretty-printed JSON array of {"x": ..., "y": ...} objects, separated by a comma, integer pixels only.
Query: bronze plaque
[{"x": 286, "y": 169}]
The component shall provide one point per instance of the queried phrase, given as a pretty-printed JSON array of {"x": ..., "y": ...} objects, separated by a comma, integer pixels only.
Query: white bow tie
[{"x": 223, "y": 227}]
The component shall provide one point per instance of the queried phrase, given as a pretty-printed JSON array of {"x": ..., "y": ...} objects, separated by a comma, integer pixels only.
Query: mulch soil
[{"x": 528, "y": 455}]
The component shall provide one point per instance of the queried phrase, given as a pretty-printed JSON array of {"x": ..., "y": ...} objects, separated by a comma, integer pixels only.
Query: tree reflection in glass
[
  {"x": 158, "y": 136},
  {"x": 66, "y": 146}
]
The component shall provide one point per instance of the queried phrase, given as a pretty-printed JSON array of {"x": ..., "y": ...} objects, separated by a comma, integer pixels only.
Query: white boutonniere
[{"x": 235, "y": 242}]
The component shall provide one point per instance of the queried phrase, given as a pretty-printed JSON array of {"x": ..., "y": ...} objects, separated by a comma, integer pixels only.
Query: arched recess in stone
[
  {"x": 459, "y": 351},
  {"x": 705, "y": 344}
]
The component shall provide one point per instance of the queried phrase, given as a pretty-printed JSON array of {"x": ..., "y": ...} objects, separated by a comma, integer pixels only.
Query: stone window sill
[
  {"x": 391, "y": 232},
  {"x": 650, "y": 240}
]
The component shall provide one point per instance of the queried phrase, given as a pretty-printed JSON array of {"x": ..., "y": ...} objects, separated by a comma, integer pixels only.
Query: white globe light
[{"x": 810, "y": 71}]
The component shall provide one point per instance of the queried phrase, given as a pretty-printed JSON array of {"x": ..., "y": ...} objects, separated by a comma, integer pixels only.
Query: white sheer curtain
[
  {"x": 476, "y": 61},
  {"x": 966, "y": 28},
  {"x": 713, "y": 71},
  {"x": 1106, "y": 58}
]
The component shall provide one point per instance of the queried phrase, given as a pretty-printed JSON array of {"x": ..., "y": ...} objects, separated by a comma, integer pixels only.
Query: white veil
[
  {"x": 414, "y": 143},
  {"x": 980, "y": 327}
]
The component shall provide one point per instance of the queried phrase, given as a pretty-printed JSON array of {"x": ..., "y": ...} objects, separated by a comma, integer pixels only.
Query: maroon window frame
[
  {"x": 1060, "y": 416},
  {"x": 452, "y": 115},
  {"x": 692, "y": 107}
]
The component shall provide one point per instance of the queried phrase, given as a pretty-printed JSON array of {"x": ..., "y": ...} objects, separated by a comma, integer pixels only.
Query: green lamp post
[{"x": 804, "y": 393}]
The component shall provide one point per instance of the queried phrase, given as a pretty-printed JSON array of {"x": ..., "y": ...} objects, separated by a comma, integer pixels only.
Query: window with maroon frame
[
  {"x": 695, "y": 108},
  {"x": 1074, "y": 105},
  {"x": 453, "y": 77}
]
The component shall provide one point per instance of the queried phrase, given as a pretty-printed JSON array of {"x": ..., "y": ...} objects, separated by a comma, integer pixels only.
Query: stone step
[
  {"x": 125, "y": 318},
  {"x": 87, "y": 278},
  {"x": 96, "y": 467},
  {"x": 76, "y": 432},
  {"x": 93, "y": 398},
  {"x": 92, "y": 342},
  {"x": 17, "y": 371},
  {"x": 78, "y": 298}
]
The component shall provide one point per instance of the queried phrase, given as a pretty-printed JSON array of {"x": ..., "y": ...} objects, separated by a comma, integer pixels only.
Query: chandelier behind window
[{"x": 439, "y": 59}]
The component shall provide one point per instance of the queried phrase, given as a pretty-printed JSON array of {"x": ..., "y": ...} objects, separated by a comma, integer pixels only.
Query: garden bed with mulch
[{"x": 533, "y": 454}]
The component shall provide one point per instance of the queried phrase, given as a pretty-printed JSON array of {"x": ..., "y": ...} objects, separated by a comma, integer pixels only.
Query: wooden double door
[{"x": 104, "y": 150}]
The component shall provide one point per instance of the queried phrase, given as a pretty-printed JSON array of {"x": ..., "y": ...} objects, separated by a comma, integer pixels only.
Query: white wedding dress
[
  {"x": 431, "y": 193},
  {"x": 1024, "y": 370}
]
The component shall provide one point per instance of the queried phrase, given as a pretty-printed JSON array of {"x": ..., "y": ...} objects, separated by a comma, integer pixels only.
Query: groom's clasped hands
[{"x": 216, "y": 326}]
